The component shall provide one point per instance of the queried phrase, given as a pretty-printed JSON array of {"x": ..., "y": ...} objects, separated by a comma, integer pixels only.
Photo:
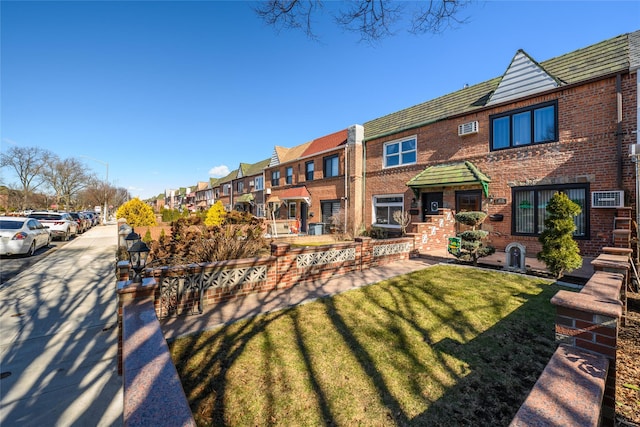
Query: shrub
[
  {"x": 376, "y": 233},
  {"x": 137, "y": 213},
  {"x": 215, "y": 215},
  {"x": 560, "y": 252},
  {"x": 472, "y": 245}
]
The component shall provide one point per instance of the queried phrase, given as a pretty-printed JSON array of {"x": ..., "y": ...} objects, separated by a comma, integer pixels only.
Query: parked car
[
  {"x": 95, "y": 220},
  {"x": 83, "y": 222},
  {"x": 22, "y": 235},
  {"x": 61, "y": 224}
]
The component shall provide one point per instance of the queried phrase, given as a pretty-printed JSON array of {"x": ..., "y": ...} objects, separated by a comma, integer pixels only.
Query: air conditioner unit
[
  {"x": 607, "y": 199},
  {"x": 468, "y": 128},
  {"x": 268, "y": 191},
  {"x": 251, "y": 183}
]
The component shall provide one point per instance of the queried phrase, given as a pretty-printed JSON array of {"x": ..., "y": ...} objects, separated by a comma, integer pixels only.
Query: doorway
[
  {"x": 431, "y": 202},
  {"x": 304, "y": 211}
]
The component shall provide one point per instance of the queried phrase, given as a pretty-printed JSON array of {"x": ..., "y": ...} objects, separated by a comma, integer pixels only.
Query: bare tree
[
  {"x": 67, "y": 178},
  {"x": 403, "y": 218},
  {"x": 28, "y": 164},
  {"x": 372, "y": 19}
]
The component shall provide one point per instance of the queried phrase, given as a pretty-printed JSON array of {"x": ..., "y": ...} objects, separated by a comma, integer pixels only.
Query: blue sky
[{"x": 172, "y": 93}]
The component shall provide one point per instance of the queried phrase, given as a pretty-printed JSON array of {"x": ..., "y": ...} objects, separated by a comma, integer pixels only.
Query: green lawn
[{"x": 448, "y": 345}]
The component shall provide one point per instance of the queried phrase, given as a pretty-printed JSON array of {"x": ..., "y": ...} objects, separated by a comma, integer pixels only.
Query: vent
[
  {"x": 251, "y": 183},
  {"x": 468, "y": 128},
  {"x": 607, "y": 199}
]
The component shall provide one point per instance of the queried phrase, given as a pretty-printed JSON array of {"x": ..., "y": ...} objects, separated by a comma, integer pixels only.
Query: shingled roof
[{"x": 604, "y": 58}]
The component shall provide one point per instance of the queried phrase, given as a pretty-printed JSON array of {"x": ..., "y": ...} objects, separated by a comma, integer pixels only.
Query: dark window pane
[
  {"x": 545, "y": 126},
  {"x": 522, "y": 128},
  {"x": 501, "y": 133}
]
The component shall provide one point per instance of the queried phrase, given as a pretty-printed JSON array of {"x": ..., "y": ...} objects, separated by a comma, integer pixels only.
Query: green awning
[
  {"x": 245, "y": 198},
  {"x": 450, "y": 175}
]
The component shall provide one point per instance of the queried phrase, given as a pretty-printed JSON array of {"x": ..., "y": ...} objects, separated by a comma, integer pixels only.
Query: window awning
[
  {"x": 245, "y": 198},
  {"x": 296, "y": 193},
  {"x": 450, "y": 175}
]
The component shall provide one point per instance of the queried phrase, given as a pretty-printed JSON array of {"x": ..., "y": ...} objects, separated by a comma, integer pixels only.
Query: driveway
[{"x": 58, "y": 338}]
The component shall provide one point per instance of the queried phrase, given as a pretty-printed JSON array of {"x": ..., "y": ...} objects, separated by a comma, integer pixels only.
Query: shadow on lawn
[{"x": 503, "y": 362}]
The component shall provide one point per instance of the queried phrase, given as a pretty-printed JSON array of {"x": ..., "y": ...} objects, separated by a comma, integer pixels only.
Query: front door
[
  {"x": 303, "y": 216},
  {"x": 431, "y": 202}
]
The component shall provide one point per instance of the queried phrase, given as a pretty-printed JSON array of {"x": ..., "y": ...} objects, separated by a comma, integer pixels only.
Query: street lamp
[
  {"x": 131, "y": 239},
  {"x": 106, "y": 183}
]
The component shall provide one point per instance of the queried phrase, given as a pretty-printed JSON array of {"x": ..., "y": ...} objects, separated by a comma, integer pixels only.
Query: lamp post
[{"x": 106, "y": 182}]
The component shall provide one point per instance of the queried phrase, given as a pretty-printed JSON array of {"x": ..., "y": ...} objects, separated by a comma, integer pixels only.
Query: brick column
[
  {"x": 366, "y": 252},
  {"x": 286, "y": 271},
  {"x": 128, "y": 292},
  {"x": 590, "y": 322}
]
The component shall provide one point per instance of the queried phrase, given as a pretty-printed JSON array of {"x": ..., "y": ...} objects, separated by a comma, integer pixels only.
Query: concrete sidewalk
[{"x": 58, "y": 338}]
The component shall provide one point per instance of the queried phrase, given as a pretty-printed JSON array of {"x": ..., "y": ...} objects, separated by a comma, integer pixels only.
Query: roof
[
  {"x": 294, "y": 193},
  {"x": 325, "y": 143},
  {"x": 255, "y": 168},
  {"x": 604, "y": 58},
  {"x": 232, "y": 175},
  {"x": 450, "y": 175},
  {"x": 245, "y": 198}
]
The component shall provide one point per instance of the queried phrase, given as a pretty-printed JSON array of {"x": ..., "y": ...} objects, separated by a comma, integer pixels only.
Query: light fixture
[
  {"x": 138, "y": 253},
  {"x": 131, "y": 239}
]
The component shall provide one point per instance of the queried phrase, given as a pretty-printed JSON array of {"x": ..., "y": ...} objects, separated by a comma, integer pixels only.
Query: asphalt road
[{"x": 11, "y": 266}]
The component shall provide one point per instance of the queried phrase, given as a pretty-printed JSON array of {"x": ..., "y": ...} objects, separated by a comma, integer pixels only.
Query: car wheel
[
  {"x": 67, "y": 235},
  {"x": 32, "y": 249}
]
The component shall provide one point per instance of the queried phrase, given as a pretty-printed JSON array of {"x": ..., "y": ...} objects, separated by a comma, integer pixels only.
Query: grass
[{"x": 448, "y": 345}]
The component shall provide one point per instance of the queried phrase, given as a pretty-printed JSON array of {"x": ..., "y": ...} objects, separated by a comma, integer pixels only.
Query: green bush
[
  {"x": 376, "y": 233},
  {"x": 472, "y": 246},
  {"x": 560, "y": 252}
]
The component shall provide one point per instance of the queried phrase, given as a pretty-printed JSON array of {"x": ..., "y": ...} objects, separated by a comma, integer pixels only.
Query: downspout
[
  {"x": 346, "y": 185},
  {"x": 619, "y": 127},
  {"x": 364, "y": 181}
]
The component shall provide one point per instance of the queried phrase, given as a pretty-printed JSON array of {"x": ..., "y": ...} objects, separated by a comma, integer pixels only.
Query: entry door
[
  {"x": 469, "y": 201},
  {"x": 303, "y": 216},
  {"x": 431, "y": 202}
]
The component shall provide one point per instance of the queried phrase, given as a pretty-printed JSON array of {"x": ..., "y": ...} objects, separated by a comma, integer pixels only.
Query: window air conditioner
[
  {"x": 268, "y": 191},
  {"x": 468, "y": 128},
  {"x": 607, "y": 199}
]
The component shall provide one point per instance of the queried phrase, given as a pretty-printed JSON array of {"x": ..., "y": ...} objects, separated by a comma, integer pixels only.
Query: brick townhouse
[
  {"x": 315, "y": 183},
  {"x": 506, "y": 145},
  {"x": 503, "y": 146}
]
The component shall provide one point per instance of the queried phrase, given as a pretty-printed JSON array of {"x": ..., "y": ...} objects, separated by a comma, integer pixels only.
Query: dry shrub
[{"x": 191, "y": 241}]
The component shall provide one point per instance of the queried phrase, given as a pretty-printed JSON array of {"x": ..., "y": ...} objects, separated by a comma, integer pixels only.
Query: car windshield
[
  {"x": 10, "y": 225},
  {"x": 46, "y": 216}
]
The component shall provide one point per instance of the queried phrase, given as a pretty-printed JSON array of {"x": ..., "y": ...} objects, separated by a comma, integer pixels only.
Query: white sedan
[{"x": 20, "y": 235}]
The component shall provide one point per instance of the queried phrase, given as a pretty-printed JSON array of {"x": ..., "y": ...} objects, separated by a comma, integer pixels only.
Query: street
[{"x": 11, "y": 266}]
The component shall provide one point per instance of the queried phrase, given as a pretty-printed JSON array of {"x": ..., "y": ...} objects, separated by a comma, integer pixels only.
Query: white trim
[{"x": 399, "y": 141}]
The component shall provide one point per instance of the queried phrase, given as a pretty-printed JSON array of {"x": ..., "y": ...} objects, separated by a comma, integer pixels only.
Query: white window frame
[
  {"x": 388, "y": 204},
  {"x": 400, "y": 152},
  {"x": 258, "y": 183}
]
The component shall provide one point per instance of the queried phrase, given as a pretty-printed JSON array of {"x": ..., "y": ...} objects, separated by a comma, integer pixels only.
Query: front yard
[{"x": 448, "y": 345}]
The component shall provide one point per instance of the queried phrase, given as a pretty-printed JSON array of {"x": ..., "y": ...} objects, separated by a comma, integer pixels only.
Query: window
[
  {"x": 240, "y": 187},
  {"x": 398, "y": 153},
  {"x": 526, "y": 126},
  {"x": 308, "y": 171},
  {"x": 258, "y": 183},
  {"x": 225, "y": 189},
  {"x": 328, "y": 209},
  {"x": 292, "y": 210},
  {"x": 530, "y": 208},
  {"x": 275, "y": 178},
  {"x": 383, "y": 209},
  {"x": 331, "y": 166},
  {"x": 288, "y": 175},
  {"x": 470, "y": 201},
  {"x": 260, "y": 210}
]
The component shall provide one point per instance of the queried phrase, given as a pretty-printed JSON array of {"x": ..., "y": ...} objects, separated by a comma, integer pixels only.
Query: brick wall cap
[{"x": 588, "y": 303}]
